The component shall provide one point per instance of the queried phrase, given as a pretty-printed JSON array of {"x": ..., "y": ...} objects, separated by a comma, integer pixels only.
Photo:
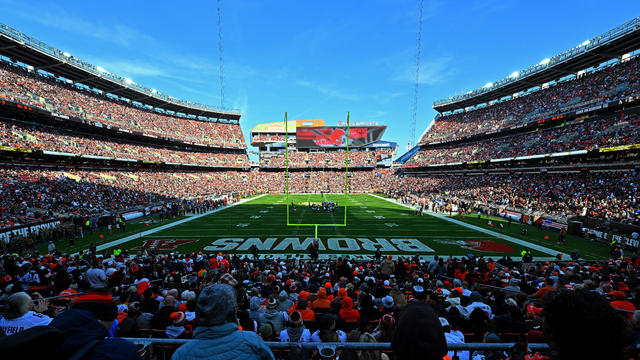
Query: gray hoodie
[{"x": 285, "y": 302}]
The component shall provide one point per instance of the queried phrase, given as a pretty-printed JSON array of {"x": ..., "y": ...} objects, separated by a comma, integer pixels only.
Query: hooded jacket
[
  {"x": 323, "y": 302},
  {"x": 284, "y": 302},
  {"x": 82, "y": 326},
  {"x": 276, "y": 318},
  {"x": 387, "y": 267},
  {"x": 255, "y": 313},
  {"x": 223, "y": 342},
  {"x": 348, "y": 313}
]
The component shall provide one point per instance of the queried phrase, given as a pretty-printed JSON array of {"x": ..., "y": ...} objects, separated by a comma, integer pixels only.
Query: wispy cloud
[
  {"x": 387, "y": 98},
  {"x": 119, "y": 34},
  {"x": 328, "y": 91},
  {"x": 432, "y": 72}
]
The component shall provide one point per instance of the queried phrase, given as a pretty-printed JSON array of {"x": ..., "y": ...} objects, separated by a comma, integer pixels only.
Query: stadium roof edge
[
  {"x": 612, "y": 44},
  {"x": 20, "y": 47}
]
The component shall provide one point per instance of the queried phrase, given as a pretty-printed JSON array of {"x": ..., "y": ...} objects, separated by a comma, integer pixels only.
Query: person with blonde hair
[{"x": 371, "y": 354}]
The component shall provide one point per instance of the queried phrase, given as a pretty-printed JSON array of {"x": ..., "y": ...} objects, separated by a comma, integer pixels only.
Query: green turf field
[{"x": 371, "y": 222}]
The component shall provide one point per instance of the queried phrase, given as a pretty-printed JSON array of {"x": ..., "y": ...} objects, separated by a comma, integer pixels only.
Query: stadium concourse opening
[{"x": 134, "y": 224}]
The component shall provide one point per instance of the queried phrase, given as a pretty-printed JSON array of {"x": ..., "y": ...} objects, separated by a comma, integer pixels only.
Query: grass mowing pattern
[{"x": 369, "y": 217}]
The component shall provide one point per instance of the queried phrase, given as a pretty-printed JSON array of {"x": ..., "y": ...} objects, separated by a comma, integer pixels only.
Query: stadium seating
[
  {"x": 587, "y": 135},
  {"x": 50, "y": 93},
  {"x": 28, "y": 195},
  {"x": 267, "y": 138},
  {"x": 50, "y": 139},
  {"x": 611, "y": 82},
  {"x": 608, "y": 195},
  {"x": 328, "y": 159}
]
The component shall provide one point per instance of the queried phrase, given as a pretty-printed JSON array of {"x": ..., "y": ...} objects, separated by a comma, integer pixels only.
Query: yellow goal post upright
[{"x": 346, "y": 178}]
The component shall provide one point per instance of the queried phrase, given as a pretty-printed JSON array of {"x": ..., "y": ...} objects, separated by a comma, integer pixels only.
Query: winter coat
[
  {"x": 348, "y": 313},
  {"x": 276, "y": 318},
  {"x": 223, "y": 342},
  {"x": 284, "y": 302},
  {"x": 387, "y": 267},
  {"x": 419, "y": 334},
  {"x": 323, "y": 302},
  {"x": 82, "y": 326}
]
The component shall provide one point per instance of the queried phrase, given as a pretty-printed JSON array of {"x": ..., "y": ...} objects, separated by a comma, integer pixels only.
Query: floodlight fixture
[
  {"x": 101, "y": 69},
  {"x": 514, "y": 74},
  {"x": 545, "y": 61}
]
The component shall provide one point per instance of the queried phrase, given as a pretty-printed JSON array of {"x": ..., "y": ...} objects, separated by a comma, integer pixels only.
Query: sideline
[
  {"x": 167, "y": 226},
  {"x": 520, "y": 242}
]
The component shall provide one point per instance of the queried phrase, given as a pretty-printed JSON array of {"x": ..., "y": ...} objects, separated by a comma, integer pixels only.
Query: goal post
[{"x": 346, "y": 179}]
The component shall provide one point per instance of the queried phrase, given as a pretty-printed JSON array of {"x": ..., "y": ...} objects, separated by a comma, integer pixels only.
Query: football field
[{"x": 371, "y": 222}]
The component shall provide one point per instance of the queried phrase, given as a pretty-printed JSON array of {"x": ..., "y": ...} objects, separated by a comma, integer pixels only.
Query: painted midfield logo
[{"x": 166, "y": 244}]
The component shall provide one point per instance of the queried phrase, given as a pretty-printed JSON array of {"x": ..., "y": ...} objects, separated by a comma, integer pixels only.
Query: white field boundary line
[
  {"x": 520, "y": 242},
  {"x": 168, "y": 226},
  {"x": 369, "y": 236}
]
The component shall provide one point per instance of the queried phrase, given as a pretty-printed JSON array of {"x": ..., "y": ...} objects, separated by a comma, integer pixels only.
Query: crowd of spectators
[
  {"x": 603, "y": 132},
  {"x": 260, "y": 138},
  {"x": 28, "y": 195},
  {"x": 31, "y": 195},
  {"x": 69, "y": 99},
  {"x": 585, "y": 309},
  {"x": 49, "y": 139},
  {"x": 606, "y": 195},
  {"x": 329, "y": 159},
  {"x": 612, "y": 82}
]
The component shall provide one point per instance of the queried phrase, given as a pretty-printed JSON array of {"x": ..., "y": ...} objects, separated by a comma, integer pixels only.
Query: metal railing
[
  {"x": 327, "y": 349},
  {"x": 60, "y": 55},
  {"x": 588, "y": 45}
]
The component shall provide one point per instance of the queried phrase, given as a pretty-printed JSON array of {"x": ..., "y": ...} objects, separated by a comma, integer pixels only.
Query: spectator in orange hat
[{"x": 322, "y": 303}]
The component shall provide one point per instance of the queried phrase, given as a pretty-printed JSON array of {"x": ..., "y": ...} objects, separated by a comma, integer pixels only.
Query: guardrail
[{"x": 328, "y": 350}]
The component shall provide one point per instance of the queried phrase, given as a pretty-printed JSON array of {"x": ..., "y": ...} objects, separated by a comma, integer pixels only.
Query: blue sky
[{"x": 316, "y": 60}]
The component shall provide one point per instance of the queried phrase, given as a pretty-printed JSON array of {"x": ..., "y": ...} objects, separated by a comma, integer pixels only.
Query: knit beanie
[{"x": 216, "y": 305}]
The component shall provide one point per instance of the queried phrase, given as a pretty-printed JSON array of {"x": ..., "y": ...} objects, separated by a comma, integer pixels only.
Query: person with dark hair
[
  {"x": 582, "y": 325},
  {"x": 419, "y": 334},
  {"x": 217, "y": 335},
  {"x": 277, "y": 318},
  {"x": 295, "y": 330},
  {"x": 328, "y": 332},
  {"x": 86, "y": 332}
]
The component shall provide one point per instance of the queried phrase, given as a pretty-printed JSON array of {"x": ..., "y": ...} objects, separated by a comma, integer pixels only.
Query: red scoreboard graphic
[{"x": 336, "y": 136}]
